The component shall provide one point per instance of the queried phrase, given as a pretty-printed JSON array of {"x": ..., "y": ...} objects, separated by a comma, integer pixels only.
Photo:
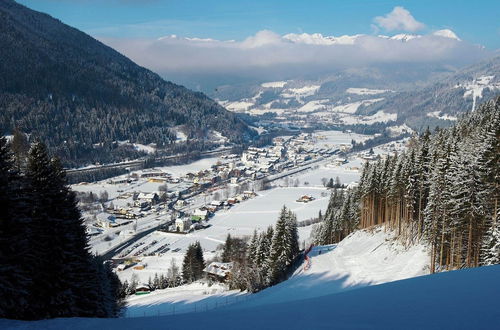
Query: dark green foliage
[
  {"x": 15, "y": 258},
  {"x": 234, "y": 249},
  {"x": 193, "y": 264},
  {"x": 80, "y": 96},
  {"x": 45, "y": 246}
]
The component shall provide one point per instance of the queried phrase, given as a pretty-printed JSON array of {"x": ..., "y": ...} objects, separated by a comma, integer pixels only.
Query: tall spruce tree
[
  {"x": 193, "y": 264},
  {"x": 15, "y": 249}
]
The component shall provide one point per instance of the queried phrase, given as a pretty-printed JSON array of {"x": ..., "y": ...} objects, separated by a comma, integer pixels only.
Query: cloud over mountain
[{"x": 270, "y": 55}]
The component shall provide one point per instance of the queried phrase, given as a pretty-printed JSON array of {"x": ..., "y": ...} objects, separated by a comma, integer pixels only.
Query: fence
[{"x": 210, "y": 303}]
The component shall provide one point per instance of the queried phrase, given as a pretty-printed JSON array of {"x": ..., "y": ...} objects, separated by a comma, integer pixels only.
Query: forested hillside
[
  {"x": 444, "y": 189},
  {"x": 450, "y": 97},
  {"x": 80, "y": 96}
]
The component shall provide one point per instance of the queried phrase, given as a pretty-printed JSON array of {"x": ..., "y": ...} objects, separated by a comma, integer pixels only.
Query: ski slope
[
  {"x": 465, "y": 299},
  {"x": 364, "y": 258}
]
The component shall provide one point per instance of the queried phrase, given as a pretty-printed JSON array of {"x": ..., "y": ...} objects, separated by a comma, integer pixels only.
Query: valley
[{"x": 249, "y": 165}]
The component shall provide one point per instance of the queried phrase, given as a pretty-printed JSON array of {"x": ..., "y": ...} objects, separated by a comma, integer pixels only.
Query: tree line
[
  {"x": 445, "y": 189},
  {"x": 46, "y": 268}
]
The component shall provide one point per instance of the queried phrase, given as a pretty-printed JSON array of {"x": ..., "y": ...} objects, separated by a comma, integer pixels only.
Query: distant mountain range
[
  {"x": 407, "y": 97},
  {"x": 82, "y": 97}
]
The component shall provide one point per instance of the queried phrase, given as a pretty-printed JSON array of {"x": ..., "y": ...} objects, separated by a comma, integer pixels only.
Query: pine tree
[
  {"x": 15, "y": 254},
  {"x": 193, "y": 264},
  {"x": 281, "y": 249},
  {"x": 227, "y": 253},
  {"x": 491, "y": 246}
]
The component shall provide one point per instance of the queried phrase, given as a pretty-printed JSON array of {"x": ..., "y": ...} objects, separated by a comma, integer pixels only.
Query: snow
[
  {"x": 301, "y": 91},
  {"x": 366, "y": 91},
  {"x": 438, "y": 301},
  {"x": 353, "y": 107},
  {"x": 405, "y": 37},
  {"x": 437, "y": 114},
  {"x": 319, "y": 39},
  {"x": 274, "y": 84},
  {"x": 335, "y": 138},
  {"x": 475, "y": 88},
  {"x": 363, "y": 258},
  {"x": 379, "y": 117},
  {"x": 313, "y": 106},
  {"x": 397, "y": 130},
  {"x": 237, "y": 106},
  {"x": 184, "y": 299},
  {"x": 150, "y": 149},
  {"x": 446, "y": 33}
]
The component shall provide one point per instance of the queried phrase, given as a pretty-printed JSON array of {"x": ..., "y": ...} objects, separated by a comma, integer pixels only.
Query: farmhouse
[
  {"x": 151, "y": 198},
  {"x": 142, "y": 289},
  {"x": 219, "y": 271}
]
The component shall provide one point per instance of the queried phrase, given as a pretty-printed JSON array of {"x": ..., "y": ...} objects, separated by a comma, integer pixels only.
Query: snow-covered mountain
[
  {"x": 320, "y": 39},
  {"x": 440, "y": 103},
  {"x": 418, "y": 96}
]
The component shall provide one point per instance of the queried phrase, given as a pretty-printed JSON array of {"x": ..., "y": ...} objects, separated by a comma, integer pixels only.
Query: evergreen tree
[
  {"x": 193, "y": 264},
  {"x": 491, "y": 246},
  {"x": 228, "y": 249},
  {"x": 281, "y": 249},
  {"x": 15, "y": 249}
]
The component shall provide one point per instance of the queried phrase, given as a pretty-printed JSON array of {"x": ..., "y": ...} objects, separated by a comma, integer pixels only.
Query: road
[{"x": 139, "y": 163}]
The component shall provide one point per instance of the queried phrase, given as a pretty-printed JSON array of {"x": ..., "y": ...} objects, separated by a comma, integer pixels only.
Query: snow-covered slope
[
  {"x": 367, "y": 257},
  {"x": 361, "y": 259},
  {"x": 465, "y": 299}
]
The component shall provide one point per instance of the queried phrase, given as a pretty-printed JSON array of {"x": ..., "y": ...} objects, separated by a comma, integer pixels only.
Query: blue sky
[{"x": 474, "y": 21}]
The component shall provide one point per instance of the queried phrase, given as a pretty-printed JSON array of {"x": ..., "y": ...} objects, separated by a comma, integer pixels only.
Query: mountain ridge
[{"x": 91, "y": 94}]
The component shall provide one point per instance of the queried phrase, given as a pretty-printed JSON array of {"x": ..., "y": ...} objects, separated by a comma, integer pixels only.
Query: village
[{"x": 145, "y": 219}]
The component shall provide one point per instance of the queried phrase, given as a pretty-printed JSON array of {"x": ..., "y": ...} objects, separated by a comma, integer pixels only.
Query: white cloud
[
  {"x": 267, "y": 55},
  {"x": 399, "y": 19}
]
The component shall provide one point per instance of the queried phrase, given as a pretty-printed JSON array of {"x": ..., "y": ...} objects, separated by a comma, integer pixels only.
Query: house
[
  {"x": 151, "y": 198},
  {"x": 339, "y": 161},
  {"x": 249, "y": 194},
  {"x": 106, "y": 220},
  {"x": 118, "y": 181},
  {"x": 152, "y": 173},
  {"x": 216, "y": 203},
  {"x": 199, "y": 215},
  {"x": 305, "y": 199},
  {"x": 142, "y": 289},
  {"x": 180, "y": 203},
  {"x": 182, "y": 224},
  {"x": 93, "y": 231},
  {"x": 232, "y": 201},
  {"x": 219, "y": 271}
]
